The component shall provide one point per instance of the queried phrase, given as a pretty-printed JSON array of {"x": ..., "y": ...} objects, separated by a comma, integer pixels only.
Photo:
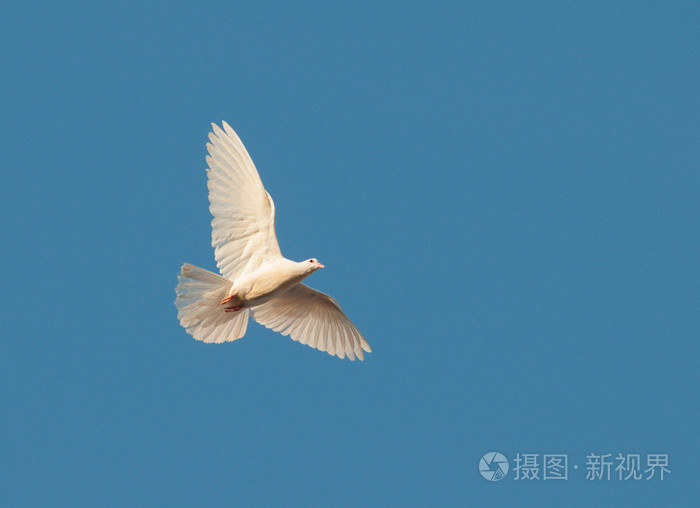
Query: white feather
[{"x": 309, "y": 316}]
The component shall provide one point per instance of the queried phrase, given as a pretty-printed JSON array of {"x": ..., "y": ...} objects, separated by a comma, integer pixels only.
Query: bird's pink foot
[
  {"x": 233, "y": 309},
  {"x": 226, "y": 300}
]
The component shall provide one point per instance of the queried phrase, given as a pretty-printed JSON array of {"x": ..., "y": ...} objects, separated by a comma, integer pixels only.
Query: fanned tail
[{"x": 199, "y": 292}]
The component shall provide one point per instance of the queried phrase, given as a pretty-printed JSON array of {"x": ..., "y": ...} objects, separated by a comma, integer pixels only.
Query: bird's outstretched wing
[
  {"x": 243, "y": 228},
  {"x": 312, "y": 318}
]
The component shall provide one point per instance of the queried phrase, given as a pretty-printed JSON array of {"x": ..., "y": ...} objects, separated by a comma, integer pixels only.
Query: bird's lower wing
[{"x": 314, "y": 319}]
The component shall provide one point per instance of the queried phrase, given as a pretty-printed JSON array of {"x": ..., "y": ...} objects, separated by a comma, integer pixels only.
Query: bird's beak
[{"x": 320, "y": 265}]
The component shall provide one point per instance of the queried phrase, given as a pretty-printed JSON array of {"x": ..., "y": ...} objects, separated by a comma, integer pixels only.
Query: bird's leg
[
  {"x": 231, "y": 309},
  {"x": 226, "y": 300}
]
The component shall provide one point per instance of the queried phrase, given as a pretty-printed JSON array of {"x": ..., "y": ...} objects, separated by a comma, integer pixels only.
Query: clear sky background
[{"x": 506, "y": 199}]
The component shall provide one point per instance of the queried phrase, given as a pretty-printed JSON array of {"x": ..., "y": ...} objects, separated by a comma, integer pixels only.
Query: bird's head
[{"x": 312, "y": 265}]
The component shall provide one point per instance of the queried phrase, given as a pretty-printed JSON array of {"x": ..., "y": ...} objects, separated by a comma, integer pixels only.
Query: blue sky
[{"x": 505, "y": 196}]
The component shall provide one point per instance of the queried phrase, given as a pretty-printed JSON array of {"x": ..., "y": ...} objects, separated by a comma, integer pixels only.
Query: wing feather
[
  {"x": 313, "y": 318},
  {"x": 243, "y": 227}
]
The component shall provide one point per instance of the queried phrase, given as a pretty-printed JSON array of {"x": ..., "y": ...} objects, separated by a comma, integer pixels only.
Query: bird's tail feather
[{"x": 199, "y": 292}]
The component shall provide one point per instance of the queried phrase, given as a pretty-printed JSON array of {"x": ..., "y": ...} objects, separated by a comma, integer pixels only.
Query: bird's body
[
  {"x": 267, "y": 282},
  {"x": 256, "y": 279}
]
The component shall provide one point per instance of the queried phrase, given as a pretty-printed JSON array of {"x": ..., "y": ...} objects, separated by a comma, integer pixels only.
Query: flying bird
[{"x": 255, "y": 278}]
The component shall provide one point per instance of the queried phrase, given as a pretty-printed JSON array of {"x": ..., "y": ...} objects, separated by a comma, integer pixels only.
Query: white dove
[{"x": 257, "y": 279}]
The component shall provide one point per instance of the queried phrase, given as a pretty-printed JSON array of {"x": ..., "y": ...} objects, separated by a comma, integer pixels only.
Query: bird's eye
[{"x": 311, "y": 260}]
